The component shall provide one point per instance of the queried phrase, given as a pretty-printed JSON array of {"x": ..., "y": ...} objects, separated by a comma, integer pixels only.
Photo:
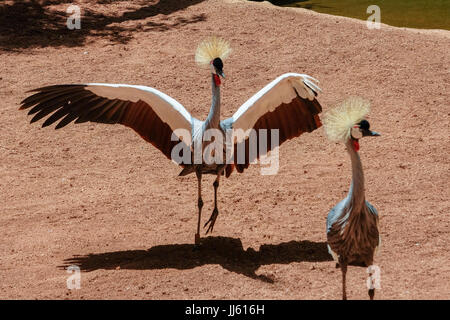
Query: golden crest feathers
[
  {"x": 211, "y": 48},
  {"x": 339, "y": 121}
]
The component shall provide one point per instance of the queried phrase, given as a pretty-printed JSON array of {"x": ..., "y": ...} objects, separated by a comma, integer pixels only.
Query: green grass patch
[{"x": 423, "y": 14}]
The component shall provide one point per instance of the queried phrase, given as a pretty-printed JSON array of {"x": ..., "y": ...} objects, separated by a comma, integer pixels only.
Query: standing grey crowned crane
[
  {"x": 287, "y": 104},
  {"x": 352, "y": 225}
]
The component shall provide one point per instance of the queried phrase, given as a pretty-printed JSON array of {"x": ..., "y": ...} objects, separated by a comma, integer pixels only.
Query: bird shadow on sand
[
  {"x": 38, "y": 23},
  {"x": 224, "y": 251}
]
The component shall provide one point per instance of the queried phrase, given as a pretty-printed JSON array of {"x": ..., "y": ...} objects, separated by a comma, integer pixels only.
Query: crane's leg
[
  {"x": 371, "y": 293},
  {"x": 215, "y": 212},
  {"x": 343, "y": 265},
  {"x": 371, "y": 290},
  {"x": 200, "y": 204}
]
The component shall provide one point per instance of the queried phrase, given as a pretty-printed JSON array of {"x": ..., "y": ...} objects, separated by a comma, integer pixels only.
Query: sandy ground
[{"x": 100, "y": 197}]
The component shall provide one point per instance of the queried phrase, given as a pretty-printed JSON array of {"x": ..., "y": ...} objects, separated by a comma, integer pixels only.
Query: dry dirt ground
[{"x": 100, "y": 197}]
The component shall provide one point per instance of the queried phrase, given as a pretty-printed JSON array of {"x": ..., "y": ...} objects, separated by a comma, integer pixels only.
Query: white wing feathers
[
  {"x": 281, "y": 90},
  {"x": 168, "y": 109}
]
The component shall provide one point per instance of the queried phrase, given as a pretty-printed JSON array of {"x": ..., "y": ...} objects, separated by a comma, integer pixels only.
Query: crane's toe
[{"x": 211, "y": 221}]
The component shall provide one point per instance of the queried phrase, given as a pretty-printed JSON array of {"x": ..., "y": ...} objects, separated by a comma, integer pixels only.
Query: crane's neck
[
  {"x": 356, "y": 193},
  {"x": 213, "y": 119}
]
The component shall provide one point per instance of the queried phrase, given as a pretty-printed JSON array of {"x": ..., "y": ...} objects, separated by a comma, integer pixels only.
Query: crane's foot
[
  {"x": 371, "y": 293},
  {"x": 211, "y": 221}
]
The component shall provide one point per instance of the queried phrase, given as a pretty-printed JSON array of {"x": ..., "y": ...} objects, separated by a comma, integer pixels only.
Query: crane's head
[
  {"x": 347, "y": 122},
  {"x": 217, "y": 70},
  {"x": 360, "y": 130},
  {"x": 211, "y": 52}
]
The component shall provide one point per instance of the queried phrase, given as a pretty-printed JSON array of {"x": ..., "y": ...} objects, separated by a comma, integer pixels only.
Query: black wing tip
[
  {"x": 56, "y": 86},
  {"x": 33, "y": 120},
  {"x": 26, "y": 102},
  {"x": 45, "y": 124},
  {"x": 59, "y": 126}
]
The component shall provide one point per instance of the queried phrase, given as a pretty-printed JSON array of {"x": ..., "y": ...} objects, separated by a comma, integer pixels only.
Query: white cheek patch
[{"x": 356, "y": 132}]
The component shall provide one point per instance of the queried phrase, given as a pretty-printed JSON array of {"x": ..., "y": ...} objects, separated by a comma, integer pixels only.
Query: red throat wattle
[
  {"x": 356, "y": 145},
  {"x": 216, "y": 80}
]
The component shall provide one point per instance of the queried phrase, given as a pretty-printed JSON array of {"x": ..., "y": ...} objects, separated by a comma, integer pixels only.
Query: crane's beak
[
  {"x": 220, "y": 73},
  {"x": 369, "y": 133}
]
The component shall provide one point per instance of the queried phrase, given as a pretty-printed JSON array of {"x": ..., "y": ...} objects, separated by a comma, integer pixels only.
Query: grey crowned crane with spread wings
[
  {"x": 287, "y": 104},
  {"x": 352, "y": 225}
]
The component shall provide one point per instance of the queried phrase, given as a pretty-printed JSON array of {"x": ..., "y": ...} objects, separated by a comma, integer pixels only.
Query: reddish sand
[{"x": 100, "y": 197}]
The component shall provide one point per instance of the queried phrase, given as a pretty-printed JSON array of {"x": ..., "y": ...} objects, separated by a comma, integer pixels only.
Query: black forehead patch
[
  {"x": 217, "y": 62},
  {"x": 364, "y": 125}
]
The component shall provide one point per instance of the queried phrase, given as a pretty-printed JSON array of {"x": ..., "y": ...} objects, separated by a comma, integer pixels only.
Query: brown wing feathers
[
  {"x": 67, "y": 103},
  {"x": 149, "y": 126},
  {"x": 291, "y": 119}
]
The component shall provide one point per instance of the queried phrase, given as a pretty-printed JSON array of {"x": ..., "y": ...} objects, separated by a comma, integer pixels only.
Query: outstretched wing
[
  {"x": 151, "y": 113},
  {"x": 288, "y": 104}
]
